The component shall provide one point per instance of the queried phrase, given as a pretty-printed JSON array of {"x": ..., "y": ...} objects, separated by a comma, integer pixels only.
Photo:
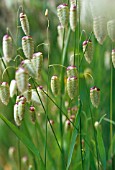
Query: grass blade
[
  {"x": 101, "y": 148},
  {"x": 74, "y": 136},
  {"x": 24, "y": 139}
]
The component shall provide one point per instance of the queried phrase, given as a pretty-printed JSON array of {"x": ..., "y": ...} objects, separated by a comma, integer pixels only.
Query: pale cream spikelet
[
  {"x": 4, "y": 93},
  {"x": 13, "y": 88},
  {"x": 113, "y": 57},
  {"x": 100, "y": 28},
  {"x": 55, "y": 85},
  {"x": 21, "y": 77},
  {"x": 71, "y": 71},
  {"x": 21, "y": 110},
  {"x": 68, "y": 125},
  {"x": 72, "y": 87},
  {"x": 32, "y": 114},
  {"x": 60, "y": 30},
  {"x": 73, "y": 17},
  {"x": 7, "y": 46},
  {"x": 16, "y": 116},
  {"x": 111, "y": 29},
  {"x": 95, "y": 96},
  {"x": 88, "y": 50},
  {"x": 20, "y": 98},
  {"x": 63, "y": 14},
  {"x": 37, "y": 61},
  {"x": 27, "y": 64},
  {"x": 28, "y": 46},
  {"x": 28, "y": 93},
  {"x": 24, "y": 23}
]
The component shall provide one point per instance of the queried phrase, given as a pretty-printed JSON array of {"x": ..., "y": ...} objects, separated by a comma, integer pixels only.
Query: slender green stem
[
  {"x": 48, "y": 149},
  {"x": 29, "y": 136},
  {"x": 111, "y": 106},
  {"x": 47, "y": 93},
  {"x": 59, "y": 65},
  {"x": 93, "y": 128},
  {"x": 79, "y": 28},
  {"x": 60, "y": 115},
  {"x": 75, "y": 46},
  {"x": 81, "y": 143},
  {"x": 19, "y": 154},
  {"x": 47, "y": 116}
]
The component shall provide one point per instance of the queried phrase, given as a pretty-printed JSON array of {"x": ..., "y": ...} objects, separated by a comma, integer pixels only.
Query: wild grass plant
[{"x": 57, "y": 96}]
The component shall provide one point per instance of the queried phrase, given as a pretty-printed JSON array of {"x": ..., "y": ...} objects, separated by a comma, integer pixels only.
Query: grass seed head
[
  {"x": 24, "y": 23},
  {"x": 113, "y": 57},
  {"x": 111, "y": 29},
  {"x": 88, "y": 50},
  {"x": 4, "y": 93},
  {"x": 32, "y": 114},
  {"x": 73, "y": 17},
  {"x": 95, "y": 96},
  {"x": 7, "y": 46},
  {"x": 63, "y": 14},
  {"x": 55, "y": 85},
  {"x": 71, "y": 71},
  {"x": 72, "y": 87},
  {"x": 100, "y": 28},
  {"x": 13, "y": 88},
  {"x": 21, "y": 77},
  {"x": 28, "y": 46}
]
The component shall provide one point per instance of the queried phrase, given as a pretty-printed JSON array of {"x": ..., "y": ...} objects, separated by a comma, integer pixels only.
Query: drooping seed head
[
  {"x": 72, "y": 87},
  {"x": 71, "y": 71},
  {"x": 21, "y": 79},
  {"x": 4, "y": 93},
  {"x": 113, "y": 57},
  {"x": 13, "y": 88},
  {"x": 73, "y": 17},
  {"x": 55, "y": 85},
  {"x": 88, "y": 50},
  {"x": 7, "y": 47},
  {"x": 63, "y": 14},
  {"x": 95, "y": 96},
  {"x": 24, "y": 23},
  {"x": 28, "y": 46},
  {"x": 32, "y": 114}
]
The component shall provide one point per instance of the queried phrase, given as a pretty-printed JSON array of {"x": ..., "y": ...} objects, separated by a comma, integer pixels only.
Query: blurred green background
[{"x": 100, "y": 67}]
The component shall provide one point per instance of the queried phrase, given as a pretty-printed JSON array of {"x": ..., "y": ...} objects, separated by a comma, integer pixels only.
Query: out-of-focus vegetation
[{"x": 100, "y": 70}]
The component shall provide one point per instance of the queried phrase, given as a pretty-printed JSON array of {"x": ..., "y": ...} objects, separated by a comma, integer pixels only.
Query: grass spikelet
[
  {"x": 73, "y": 17},
  {"x": 24, "y": 23},
  {"x": 4, "y": 93},
  {"x": 111, "y": 29},
  {"x": 37, "y": 61},
  {"x": 55, "y": 85},
  {"x": 27, "y": 64},
  {"x": 113, "y": 57},
  {"x": 28, "y": 46},
  {"x": 13, "y": 88},
  {"x": 7, "y": 47},
  {"x": 22, "y": 79},
  {"x": 72, "y": 87},
  {"x": 63, "y": 14},
  {"x": 16, "y": 116},
  {"x": 100, "y": 28},
  {"x": 32, "y": 114},
  {"x": 95, "y": 96},
  {"x": 88, "y": 50},
  {"x": 71, "y": 71}
]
